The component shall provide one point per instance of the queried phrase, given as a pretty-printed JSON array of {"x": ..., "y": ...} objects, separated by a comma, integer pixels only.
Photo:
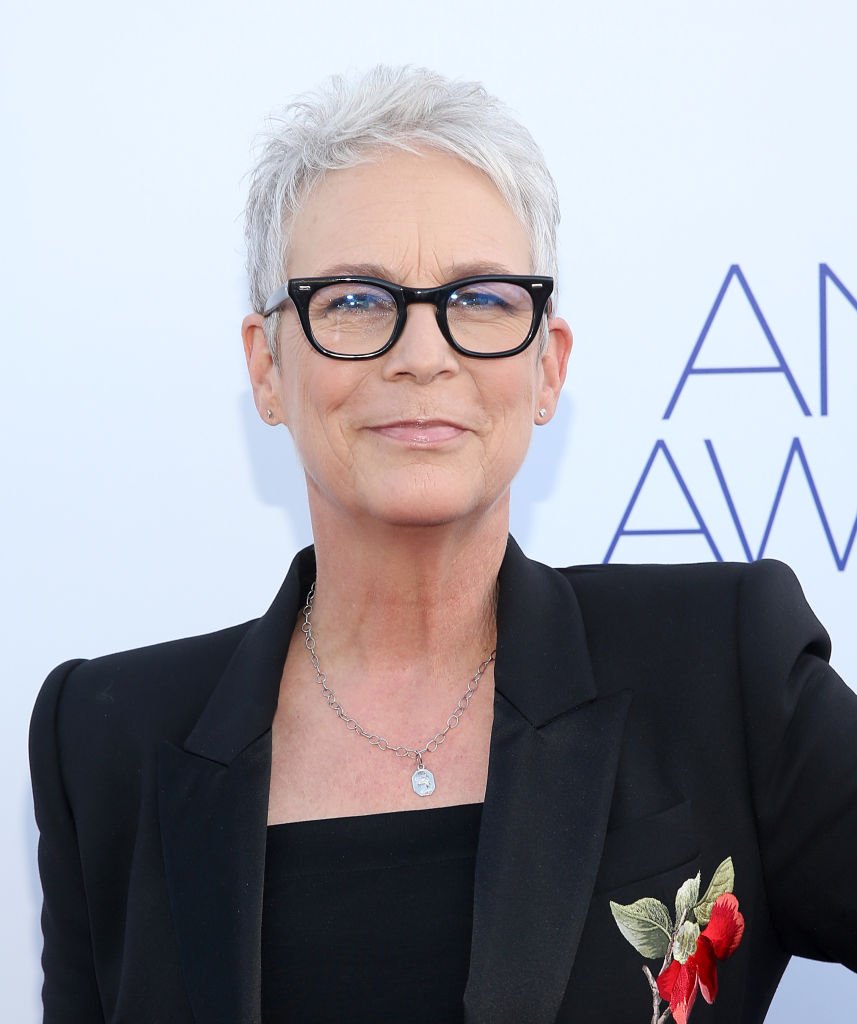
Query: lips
[{"x": 421, "y": 433}]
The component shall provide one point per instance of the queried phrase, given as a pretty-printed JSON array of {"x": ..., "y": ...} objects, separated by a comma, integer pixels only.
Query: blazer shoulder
[
  {"x": 656, "y": 592},
  {"x": 113, "y": 705},
  {"x": 726, "y": 580},
  {"x": 761, "y": 603},
  {"x": 665, "y": 574}
]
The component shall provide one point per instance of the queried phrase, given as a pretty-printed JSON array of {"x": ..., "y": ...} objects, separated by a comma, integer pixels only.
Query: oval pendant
[{"x": 423, "y": 782}]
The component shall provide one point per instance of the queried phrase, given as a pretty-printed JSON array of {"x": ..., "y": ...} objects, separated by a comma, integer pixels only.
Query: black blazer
[{"x": 649, "y": 721}]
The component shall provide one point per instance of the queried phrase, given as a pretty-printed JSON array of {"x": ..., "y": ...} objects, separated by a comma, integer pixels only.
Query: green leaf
[
  {"x": 686, "y": 897},
  {"x": 722, "y": 881},
  {"x": 685, "y": 941},
  {"x": 646, "y": 924}
]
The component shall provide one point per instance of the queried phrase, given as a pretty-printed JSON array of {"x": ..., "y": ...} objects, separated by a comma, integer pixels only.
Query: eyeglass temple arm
[{"x": 276, "y": 300}]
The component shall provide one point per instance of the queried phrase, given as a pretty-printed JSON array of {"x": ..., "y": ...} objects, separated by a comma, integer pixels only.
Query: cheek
[
  {"x": 511, "y": 399},
  {"x": 509, "y": 403},
  {"x": 317, "y": 399}
]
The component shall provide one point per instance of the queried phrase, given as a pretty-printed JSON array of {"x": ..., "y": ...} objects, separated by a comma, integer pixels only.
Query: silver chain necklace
[{"x": 422, "y": 780}]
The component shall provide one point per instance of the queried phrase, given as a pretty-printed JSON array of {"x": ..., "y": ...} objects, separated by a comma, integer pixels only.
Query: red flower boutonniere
[{"x": 705, "y": 930}]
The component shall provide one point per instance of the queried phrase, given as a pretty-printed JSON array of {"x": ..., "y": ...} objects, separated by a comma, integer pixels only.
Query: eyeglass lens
[{"x": 351, "y": 318}]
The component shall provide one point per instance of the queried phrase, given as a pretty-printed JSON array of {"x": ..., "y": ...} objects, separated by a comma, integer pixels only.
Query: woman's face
[{"x": 420, "y": 435}]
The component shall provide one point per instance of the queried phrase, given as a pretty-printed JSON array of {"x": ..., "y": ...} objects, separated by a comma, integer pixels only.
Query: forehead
[{"x": 418, "y": 216}]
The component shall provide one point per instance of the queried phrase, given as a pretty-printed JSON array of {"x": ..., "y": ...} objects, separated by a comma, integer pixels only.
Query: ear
[
  {"x": 553, "y": 366},
  {"x": 260, "y": 366}
]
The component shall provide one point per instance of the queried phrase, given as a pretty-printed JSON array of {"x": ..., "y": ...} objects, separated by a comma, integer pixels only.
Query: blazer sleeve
[
  {"x": 802, "y": 751},
  {"x": 70, "y": 991}
]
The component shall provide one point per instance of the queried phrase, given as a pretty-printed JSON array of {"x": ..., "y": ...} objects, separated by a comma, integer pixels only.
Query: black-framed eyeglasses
[{"x": 487, "y": 316}]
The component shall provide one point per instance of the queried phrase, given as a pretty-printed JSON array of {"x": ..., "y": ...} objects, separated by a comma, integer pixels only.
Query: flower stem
[
  {"x": 656, "y": 999},
  {"x": 653, "y": 985}
]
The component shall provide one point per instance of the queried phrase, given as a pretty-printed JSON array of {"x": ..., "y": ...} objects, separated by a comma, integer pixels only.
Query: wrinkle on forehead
[
  {"x": 454, "y": 270},
  {"x": 419, "y": 218}
]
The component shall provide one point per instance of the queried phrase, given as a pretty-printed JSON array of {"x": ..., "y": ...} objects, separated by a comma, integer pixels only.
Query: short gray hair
[{"x": 347, "y": 120}]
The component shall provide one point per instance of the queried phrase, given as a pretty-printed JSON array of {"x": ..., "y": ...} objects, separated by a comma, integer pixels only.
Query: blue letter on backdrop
[
  {"x": 781, "y": 365},
  {"x": 824, "y": 272},
  {"x": 660, "y": 446},
  {"x": 795, "y": 452}
]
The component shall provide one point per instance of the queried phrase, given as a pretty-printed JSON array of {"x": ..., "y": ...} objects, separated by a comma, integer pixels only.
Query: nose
[{"x": 421, "y": 353}]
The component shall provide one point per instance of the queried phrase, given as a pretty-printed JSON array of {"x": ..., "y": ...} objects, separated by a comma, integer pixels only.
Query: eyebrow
[{"x": 456, "y": 271}]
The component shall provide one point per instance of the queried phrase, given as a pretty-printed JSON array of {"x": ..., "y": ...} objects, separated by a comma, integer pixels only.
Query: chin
[
  {"x": 424, "y": 514},
  {"x": 424, "y": 506},
  {"x": 417, "y": 521}
]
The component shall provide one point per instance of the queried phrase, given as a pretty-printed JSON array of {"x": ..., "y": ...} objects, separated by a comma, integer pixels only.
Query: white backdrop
[{"x": 143, "y": 498}]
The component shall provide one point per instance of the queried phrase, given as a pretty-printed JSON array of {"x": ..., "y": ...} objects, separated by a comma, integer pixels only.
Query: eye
[
  {"x": 348, "y": 300},
  {"x": 474, "y": 297},
  {"x": 490, "y": 299},
  {"x": 363, "y": 302}
]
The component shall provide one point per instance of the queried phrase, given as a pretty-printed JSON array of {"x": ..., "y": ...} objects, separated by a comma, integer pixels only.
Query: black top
[{"x": 369, "y": 918}]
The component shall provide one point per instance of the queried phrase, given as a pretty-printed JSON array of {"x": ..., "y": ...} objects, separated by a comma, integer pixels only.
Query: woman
[{"x": 596, "y": 794}]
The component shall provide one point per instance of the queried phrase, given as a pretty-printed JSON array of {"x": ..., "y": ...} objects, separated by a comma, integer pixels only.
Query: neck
[{"x": 397, "y": 607}]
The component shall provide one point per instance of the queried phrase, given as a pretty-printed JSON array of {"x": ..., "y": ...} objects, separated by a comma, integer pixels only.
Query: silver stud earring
[
  {"x": 269, "y": 413},
  {"x": 542, "y": 413}
]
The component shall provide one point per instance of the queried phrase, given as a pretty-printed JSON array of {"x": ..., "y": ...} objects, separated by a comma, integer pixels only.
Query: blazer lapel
[
  {"x": 213, "y": 804},
  {"x": 553, "y": 757},
  {"x": 213, "y": 819}
]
